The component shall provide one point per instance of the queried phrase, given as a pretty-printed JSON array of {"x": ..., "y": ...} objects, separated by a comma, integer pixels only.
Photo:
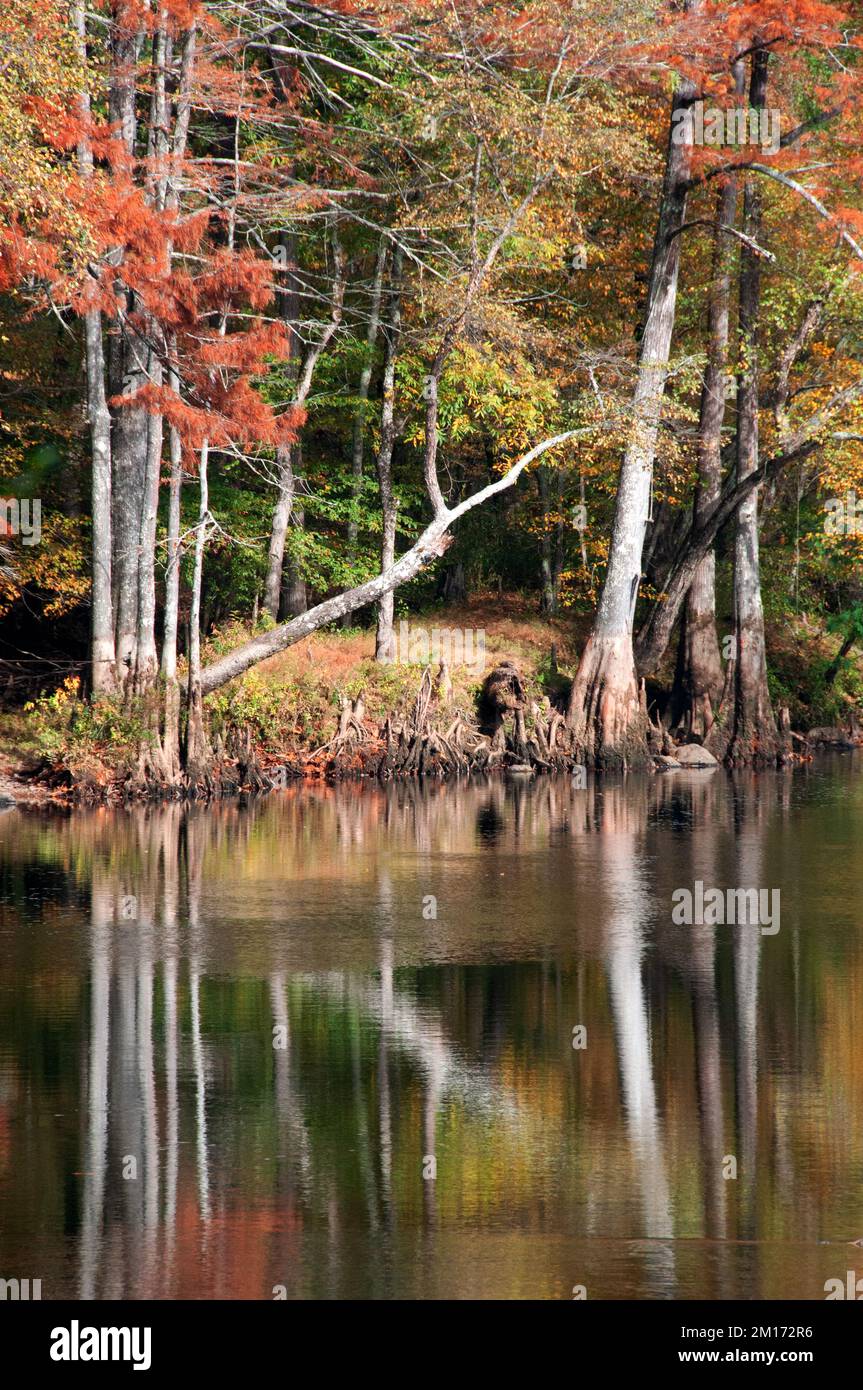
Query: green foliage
[
  {"x": 262, "y": 707},
  {"x": 66, "y": 727}
]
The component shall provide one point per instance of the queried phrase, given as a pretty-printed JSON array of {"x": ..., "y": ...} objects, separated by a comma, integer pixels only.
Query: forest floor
[
  {"x": 332, "y": 663},
  {"x": 292, "y": 711}
]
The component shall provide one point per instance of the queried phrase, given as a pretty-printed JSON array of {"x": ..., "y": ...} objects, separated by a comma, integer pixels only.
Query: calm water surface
[{"x": 233, "y": 1041}]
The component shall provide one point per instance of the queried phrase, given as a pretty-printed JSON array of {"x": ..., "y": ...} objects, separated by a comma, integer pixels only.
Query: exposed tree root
[
  {"x": 607, "y": 713},
  {"x": 435, "y": 739}
]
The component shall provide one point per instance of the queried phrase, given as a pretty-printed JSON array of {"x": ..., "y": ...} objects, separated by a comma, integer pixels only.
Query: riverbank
[
  {"x": 325, "y": 710},
  {"x": 19, "y": 784}
]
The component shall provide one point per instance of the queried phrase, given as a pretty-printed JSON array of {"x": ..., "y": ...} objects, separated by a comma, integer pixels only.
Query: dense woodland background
[{"x": 293, "y": 292}]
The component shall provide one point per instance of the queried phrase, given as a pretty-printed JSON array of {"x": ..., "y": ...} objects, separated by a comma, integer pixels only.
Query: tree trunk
[
  {"x": 197, "y": 745},
  {"x": 171, "y": 713},
  {"x": 146, "y": 659},
  {"x": 129, "y": 440},
  {"x": 102, "y": 651},
  {"x": 749, "y": 731},
  {"x": 284, "y": 465},
  {"x": 700, "y": 666},
  {"x": 363, "y": 396},
  {"x": 384, "y": 638},
  {"x": 548, "y": 564},
  {"x": 294, "y": 599},
  {"x": 656, "y": 632},
  {"x": 453, "y": 583},
  {"x": 129, "y": 358},
  {"x": 700, "y": 676},
  {"x": 171, "y": 723},
  {"x": 291, "y": 586},
  {"x": 605, "y": 713},
  {"x": 384, "y": 635},
  {"x": 102, "y": 612},
  {"x": 279, "y": 529}
]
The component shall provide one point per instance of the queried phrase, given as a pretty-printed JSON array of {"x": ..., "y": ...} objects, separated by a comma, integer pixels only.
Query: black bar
[{"x": 252, "y": 1339}]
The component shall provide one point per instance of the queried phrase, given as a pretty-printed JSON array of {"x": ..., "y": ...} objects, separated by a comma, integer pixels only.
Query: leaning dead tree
[{"x": 433, "y": 542}]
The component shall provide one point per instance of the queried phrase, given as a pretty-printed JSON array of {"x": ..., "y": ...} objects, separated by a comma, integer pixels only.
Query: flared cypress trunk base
[
  {"x": 200, "y": 758},
  {"x": 171, "y": 733},
  {"x": 745, "y": 733},
  {"x": 607, "y": 718},
  {"x": 698, "y": 679}
]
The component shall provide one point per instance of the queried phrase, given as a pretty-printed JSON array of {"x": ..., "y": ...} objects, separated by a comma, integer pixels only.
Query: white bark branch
[
  {"x": 433, "y": 541},
  {"x": 810, "y": 198}
]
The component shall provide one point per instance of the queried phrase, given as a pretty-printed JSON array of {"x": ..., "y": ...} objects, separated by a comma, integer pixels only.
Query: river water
[{"x": 436, "y": 1042}]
